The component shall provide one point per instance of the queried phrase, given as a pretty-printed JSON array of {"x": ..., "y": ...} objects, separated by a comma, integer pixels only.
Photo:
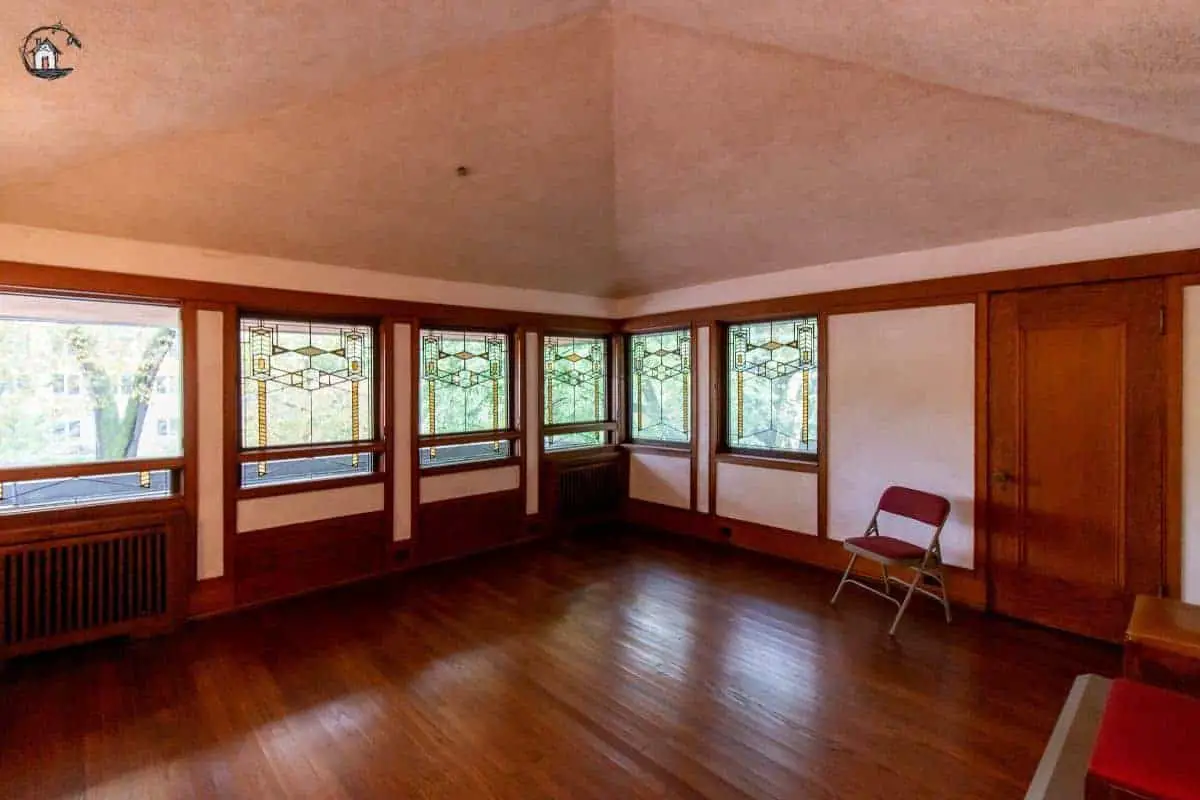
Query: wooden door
[{"x": 1076, "y": 416}]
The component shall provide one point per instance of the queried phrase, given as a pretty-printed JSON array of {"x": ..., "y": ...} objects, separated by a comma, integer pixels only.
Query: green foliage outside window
[
  {"x": 84, "y": 380},
  {"x": 660, "y": 386},
  {"x": 575, "y": 370},
  {"x": 464, "y": 389},
  {"x": 772, "y": 386}
]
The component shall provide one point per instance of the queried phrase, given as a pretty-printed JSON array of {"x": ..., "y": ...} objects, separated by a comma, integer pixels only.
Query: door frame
[{"x": 1171, "y": 578}]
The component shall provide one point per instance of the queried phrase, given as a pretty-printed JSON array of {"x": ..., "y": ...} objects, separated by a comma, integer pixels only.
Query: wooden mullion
[
  {"x": 578, "y": 427},
  {"x": 90, "y": 469},
  {"x": 448, "y": 439},
  {"x": 316, "y": 451}
]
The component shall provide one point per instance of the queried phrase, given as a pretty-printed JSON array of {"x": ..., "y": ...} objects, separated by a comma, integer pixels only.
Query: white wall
[
  {"x": 210, "y": 446},
  {"x": 901, "y": 394},
  {"x": 65, "y": 249},
  {"x": 662, "y": 479},
  {"x": 703, "y": 385},
  {"x": 437, "y": 488},
  {"x": 1191, "y": 445},
  {"x": 780, "y": 498},
  {"x": 1158, "y": 234},
  {"x": 261, "y": 513},
  {"x": 402, "y": 369},
  {"x": 532, "y": 419}
]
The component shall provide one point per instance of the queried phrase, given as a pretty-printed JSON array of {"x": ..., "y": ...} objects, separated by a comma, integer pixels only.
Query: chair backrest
[{"x": 924, "y": 507}]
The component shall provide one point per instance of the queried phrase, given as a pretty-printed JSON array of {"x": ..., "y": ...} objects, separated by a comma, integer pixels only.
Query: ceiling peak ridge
[{"x": 622, "y": 12}]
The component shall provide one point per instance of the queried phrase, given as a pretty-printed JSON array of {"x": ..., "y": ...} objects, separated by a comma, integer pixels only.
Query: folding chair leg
[
  {"x": 845, "y": 575},
  {"x": 912, "y": 587},
  {"x": 945, "y": 596},
  {"x": 887, "y": 581}
]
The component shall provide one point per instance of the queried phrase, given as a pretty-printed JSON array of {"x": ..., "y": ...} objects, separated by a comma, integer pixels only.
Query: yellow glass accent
[
  {"x": 354, "y": 419},
  {"x": 738, "y": 394},
  {"x": 804, "y": 426},
  {"x": 262, "y": 424},
  {"x": 144, "y": 479}
]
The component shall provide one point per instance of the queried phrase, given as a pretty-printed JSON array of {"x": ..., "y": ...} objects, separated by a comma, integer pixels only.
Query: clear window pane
[
  {"x": 660, "y": 386},
  {"x": 306, "y": 383},
  {"x": 84, "y": 491},
  {"x": 772, "y": 386},
  {"x": 572, "y": 441},
  {"x": 79, "y": 381},
  {"x": 447, "y": 455},
  {"x": 297, "y": 470}
]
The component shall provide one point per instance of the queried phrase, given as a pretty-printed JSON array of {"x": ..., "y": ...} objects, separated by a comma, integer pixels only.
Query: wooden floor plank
[{"x": 607, "y": 666}]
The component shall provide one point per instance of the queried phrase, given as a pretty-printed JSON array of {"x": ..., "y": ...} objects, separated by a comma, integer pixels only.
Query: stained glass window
[
  {"x": 660, "y": 386},
  {"x": 575, "y": 371},
  {"x": 772, "y": 386},
  {"x": 306, "y": 384},
  {"x": 464, "y": 389}
]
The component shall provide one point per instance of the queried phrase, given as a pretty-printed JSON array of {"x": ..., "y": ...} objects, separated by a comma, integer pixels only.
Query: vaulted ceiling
[{"x": 610, "y": 151}]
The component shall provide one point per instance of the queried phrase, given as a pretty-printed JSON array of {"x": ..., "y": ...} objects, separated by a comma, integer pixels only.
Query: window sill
[
  {"x": 66, "y": 518},
  {"x": 303, "y": 487},
  {"x": 662, "y": 449},
  {"x": 768, "y": 462},
  {"x": 468, "y": 466}
]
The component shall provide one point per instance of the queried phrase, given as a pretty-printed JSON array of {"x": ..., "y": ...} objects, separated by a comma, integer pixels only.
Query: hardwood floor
[{"x": 605, "y": 667}]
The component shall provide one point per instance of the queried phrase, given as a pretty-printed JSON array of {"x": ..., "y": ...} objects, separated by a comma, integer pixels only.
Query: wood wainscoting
[
  {"x": 293, "y": 559},
  {"x": 465, "y": 525},
  {"x": 966, "y": 587}
]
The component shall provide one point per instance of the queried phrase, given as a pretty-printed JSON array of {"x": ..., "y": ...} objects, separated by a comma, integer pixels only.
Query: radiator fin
[
  {"x": 589, "y": 490},
  {"x": 58, "y": 588}
]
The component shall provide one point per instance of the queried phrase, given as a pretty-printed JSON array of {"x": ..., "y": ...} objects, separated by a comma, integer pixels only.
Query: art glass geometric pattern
[
  {"x": 772, "y": 386},
  {"x": 660, "y": 390},
  {"x": 464, "y": 389},
  {"x": 306, "y": 383},
  {"x": 575, "y": 371}
]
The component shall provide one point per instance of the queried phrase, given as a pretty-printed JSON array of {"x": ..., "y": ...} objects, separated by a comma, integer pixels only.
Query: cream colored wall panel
[
  {"x": 703, "y": 398},
  {"x": 901, "y": 397},
  {"x": 436, "y": 488},
  {"x": 261, "y": 513},
  {"x": 661, "y": 479},
  {"x": 532, "y": 419},
  {"x": 402, "y": 500},
  {"x": 1191, "y": 445},
  {"x": 780, "y": 498},
  {"x": 210, "y": 446}
]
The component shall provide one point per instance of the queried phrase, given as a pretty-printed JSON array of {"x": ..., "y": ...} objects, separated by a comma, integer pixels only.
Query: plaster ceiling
[{"x": 673, "y": 142}]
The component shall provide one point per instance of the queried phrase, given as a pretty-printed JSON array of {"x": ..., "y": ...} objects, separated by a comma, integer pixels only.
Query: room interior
[{"x": 947, "y": 246}]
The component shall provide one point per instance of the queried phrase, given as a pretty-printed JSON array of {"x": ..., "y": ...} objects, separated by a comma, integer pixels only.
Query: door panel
[{"x": 1075, "y": 427}]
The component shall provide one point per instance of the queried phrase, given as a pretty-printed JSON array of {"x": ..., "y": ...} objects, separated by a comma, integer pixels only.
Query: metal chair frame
[{"x": 928, "y": 565}]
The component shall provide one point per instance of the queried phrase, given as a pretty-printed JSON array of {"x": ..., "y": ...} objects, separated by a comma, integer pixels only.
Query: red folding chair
[{"x": 887, "y": 551}]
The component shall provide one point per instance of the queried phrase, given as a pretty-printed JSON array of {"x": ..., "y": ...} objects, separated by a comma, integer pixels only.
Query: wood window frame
[
  {"x": 614, "y": 390},
  {"x": 661, "y": 445},
  {"x": 512, "y": 433},
  {"x": 788, "y": 460},
  {"x": 180, "y": 468},
  {"x": 376, "y": 445}
]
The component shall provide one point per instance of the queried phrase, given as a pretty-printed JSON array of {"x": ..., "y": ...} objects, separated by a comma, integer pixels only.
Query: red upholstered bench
[{"x": 1148, "y": 745}]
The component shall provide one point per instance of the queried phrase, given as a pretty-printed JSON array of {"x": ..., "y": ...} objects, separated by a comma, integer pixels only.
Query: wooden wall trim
[
  {"x": 1173, "y": 446},
  {"x": 213, "y": 295},
  {"x": 211, "y": 597},
  {"x": 933, "y": 291},
  {"x": 230, "y": 359},
  {"x": 191, "y": 424},
  {"x": 982, "y": 456},
  {"x": 966, "y": 588}
]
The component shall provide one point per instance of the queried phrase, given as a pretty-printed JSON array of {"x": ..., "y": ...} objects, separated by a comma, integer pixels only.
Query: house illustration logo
[{"x": 45, "y": 51}]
